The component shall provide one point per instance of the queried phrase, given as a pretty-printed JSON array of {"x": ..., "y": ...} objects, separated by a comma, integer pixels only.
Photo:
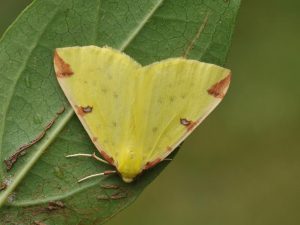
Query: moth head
[
  {"x": 128, "y": 175},
  {"x": 129, "y": 165},
  {"x": 127, "y": 180}
]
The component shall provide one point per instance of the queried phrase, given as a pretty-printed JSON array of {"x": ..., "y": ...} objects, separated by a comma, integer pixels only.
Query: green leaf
[{"x": 42, "y": 185}]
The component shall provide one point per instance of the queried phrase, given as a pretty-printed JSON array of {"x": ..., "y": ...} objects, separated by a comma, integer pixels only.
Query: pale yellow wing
[
  {"x": 100, "y": 84},
  {"x": 174, "y": 96}
]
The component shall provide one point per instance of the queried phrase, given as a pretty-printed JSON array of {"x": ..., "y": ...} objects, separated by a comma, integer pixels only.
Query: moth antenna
[
  {"x": 108, "y": 172},
  {"x": 88, "y": 155}
]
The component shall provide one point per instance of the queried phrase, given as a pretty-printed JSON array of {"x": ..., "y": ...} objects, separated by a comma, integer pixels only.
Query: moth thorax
[{"x": 129, "y": 165}]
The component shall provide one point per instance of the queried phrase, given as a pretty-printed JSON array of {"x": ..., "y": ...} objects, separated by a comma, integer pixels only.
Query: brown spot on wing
[
  {"x": 189, "y": 124},
  {"x": 109, "y": 159},
  {"x": 169, "y": 149},
  {"x": 151, "y": 164},
  {"x": 63, "y": 69},
  {"x": 192, "y": 126},
  {"x": 82, "y": 110},
  {"x": 218, "y": 90},
  {"x": 95, "y": 139},
  {"x": 79, "y": 110},
  {"x": 185, "y": 122},
  {"x": 87, "y": 109}
]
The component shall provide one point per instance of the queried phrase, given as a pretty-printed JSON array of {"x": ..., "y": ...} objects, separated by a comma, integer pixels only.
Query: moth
[{"x": 137, "y": 115}]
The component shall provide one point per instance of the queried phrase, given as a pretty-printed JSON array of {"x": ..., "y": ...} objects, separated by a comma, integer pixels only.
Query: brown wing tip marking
[
  {"x": 95, "y": 139},
  {"x": 219, "y": 89},
  {"x": 188, "y": 124},
  {"x": 109, "y": 159},
  {"x": 62, "y": 68},
  {"x": 83, "y": 110},
  {"x": 152, "y": 164}
]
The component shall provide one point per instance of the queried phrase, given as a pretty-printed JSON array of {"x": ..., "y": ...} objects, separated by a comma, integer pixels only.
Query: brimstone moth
[{"x": 137, "y": 115}]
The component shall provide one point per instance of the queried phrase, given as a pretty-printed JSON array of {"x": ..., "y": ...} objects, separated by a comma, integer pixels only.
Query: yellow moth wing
[
  {"x": 102, "y": 82},
  {"x": 175, "y": 95}
]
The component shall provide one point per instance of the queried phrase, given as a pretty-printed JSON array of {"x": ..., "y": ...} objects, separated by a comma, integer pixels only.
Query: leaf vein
[{"x": 140, "y": 26}]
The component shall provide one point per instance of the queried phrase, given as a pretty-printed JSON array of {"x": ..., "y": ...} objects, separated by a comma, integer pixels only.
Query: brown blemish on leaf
[
  {"x": 115, "y": 196},
  {"x": 52, "y": 207},
  {"x": 118, "y": 195},
  {"x": 62, "y": 68},
  {"x": 3, "y": 186},
  {"x": 196, "y": 37},
  {"x": 22, "y": 150},
  {"x": 82, "y": 110},
  {"x": 55, "y": 205},
  {"x": 50, "y": 124},
  {"x": 38, "y": 223},
  {"x": 218, "y": 90},
  {"x": 41, "y": 135},
  {"x": 151, "y": 164},
  {"x": 110, "y": 186}
]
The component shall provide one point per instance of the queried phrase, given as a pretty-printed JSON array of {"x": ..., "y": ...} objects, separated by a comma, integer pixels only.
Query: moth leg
[
  {"x": 167, "y": 159},
  {"x": 88, "y": 155},
  {"x": 108, "y": 172}
]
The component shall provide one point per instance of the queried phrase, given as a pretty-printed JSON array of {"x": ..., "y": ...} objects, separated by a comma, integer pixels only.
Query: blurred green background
[{"x": 242, "y": 165}]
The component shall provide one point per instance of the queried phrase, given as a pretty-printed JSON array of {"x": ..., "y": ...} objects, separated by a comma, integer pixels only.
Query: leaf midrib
[{"x": 140, "y": 26}]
